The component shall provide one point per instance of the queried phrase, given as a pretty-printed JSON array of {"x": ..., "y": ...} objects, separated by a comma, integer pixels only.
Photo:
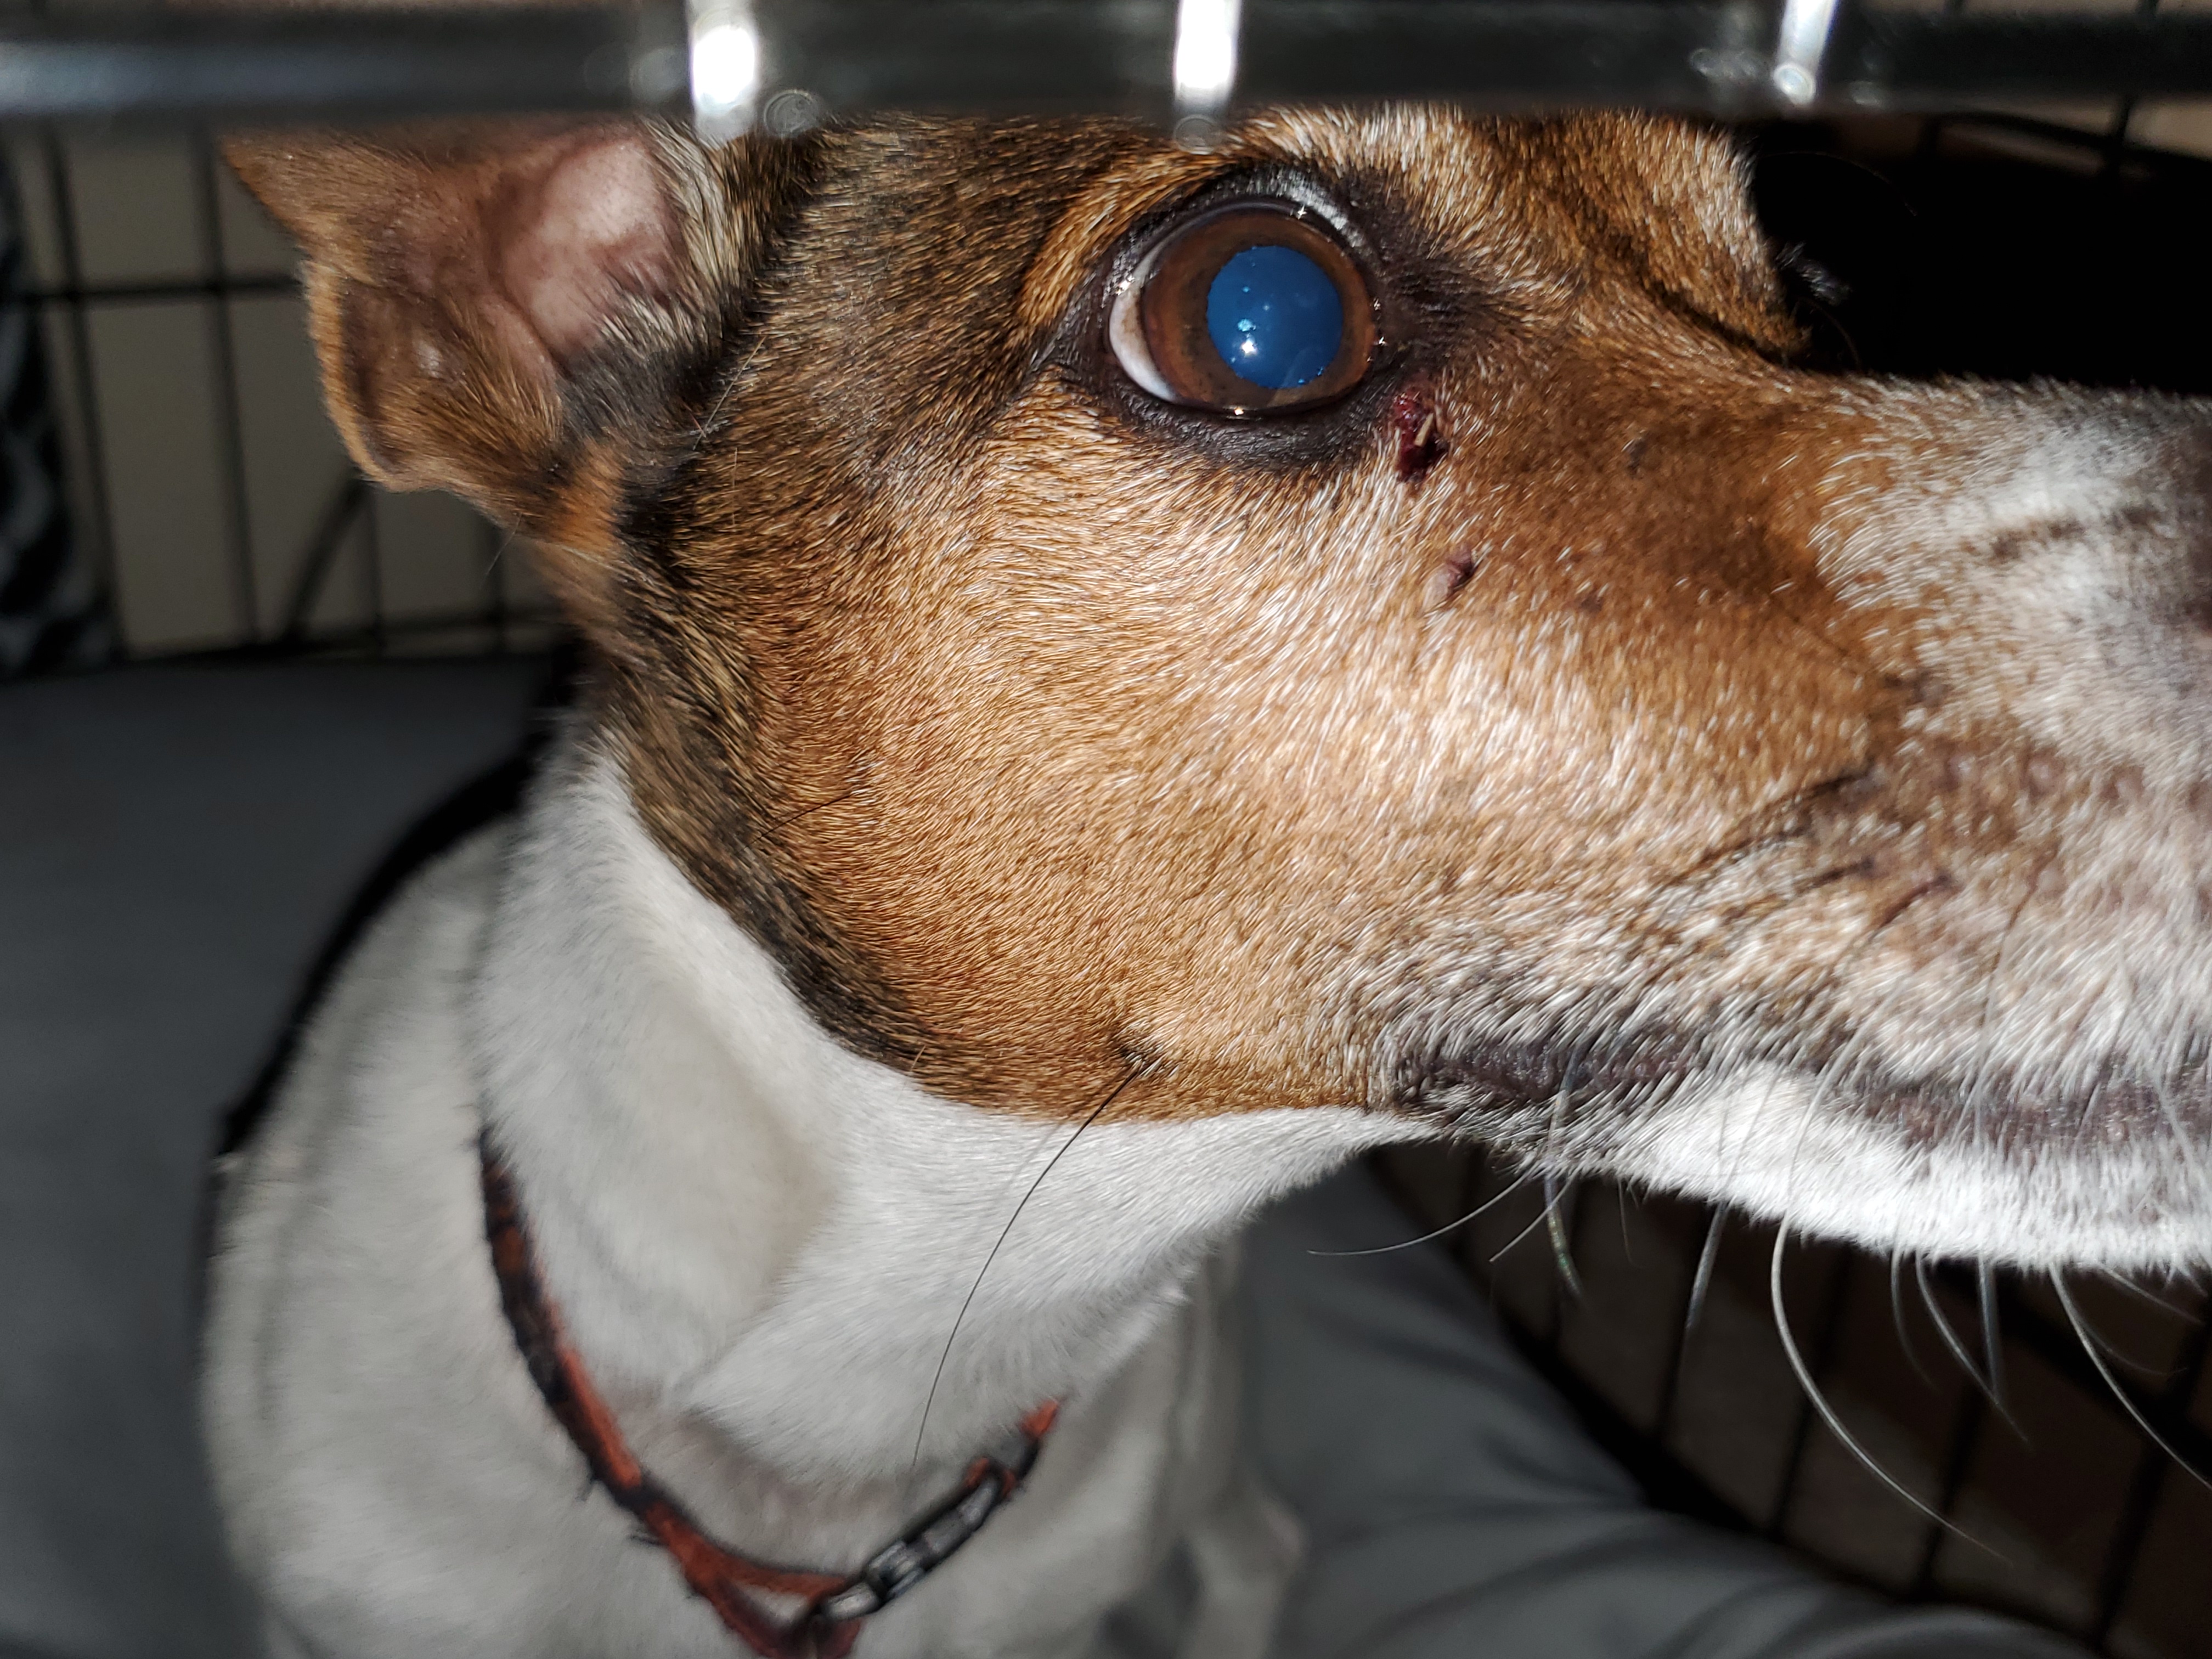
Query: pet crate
[{"x": 176, "y": 493}]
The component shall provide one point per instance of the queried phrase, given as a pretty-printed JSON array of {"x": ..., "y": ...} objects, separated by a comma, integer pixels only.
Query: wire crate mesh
[
  {"x": 209, "y": 504},
  {"x": 2033, "y": 1485}
]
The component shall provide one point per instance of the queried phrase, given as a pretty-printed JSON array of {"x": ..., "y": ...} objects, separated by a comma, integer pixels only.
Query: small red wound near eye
[{"x": 1420, "y": 435}]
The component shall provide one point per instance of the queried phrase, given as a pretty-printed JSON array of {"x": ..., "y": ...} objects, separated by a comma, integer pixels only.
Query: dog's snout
[
  {"x": 2072, "y": 522},
  {"x": 2157, "y": 542},
  {"x": 2190, "y": 495}
]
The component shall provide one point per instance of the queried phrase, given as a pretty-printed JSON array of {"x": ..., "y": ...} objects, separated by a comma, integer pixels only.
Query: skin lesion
[
  {"x": 1449, "y": 579},
  {"x": 1420, "y": 432}
]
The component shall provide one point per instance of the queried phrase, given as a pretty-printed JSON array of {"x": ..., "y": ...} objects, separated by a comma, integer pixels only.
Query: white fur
[
  {"x": 1775, "y": 1144},
  {"x": 759, "y": 1244}
]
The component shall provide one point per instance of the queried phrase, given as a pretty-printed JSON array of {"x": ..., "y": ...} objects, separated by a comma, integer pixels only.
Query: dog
[{"x": 1120, "y": 679}]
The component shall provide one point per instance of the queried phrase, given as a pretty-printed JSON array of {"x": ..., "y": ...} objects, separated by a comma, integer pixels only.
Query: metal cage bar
[{"x": 796, "y": 61}]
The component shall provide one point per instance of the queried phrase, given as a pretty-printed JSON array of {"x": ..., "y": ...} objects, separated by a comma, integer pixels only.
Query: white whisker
[
  {"x": 1487, "y": 1204},
  {"x": 1555, "y": 1224},
  {"x": 1702, "y": 1281},
  {"x": 1820, "y": 1401},
  {"x": 2089, "y": 1347}
]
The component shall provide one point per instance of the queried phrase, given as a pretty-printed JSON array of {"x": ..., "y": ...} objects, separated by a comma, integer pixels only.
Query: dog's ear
[{"x": 514, "y": 312}]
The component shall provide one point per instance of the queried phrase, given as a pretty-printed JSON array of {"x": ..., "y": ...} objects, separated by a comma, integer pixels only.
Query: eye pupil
[
  {"x": 1275, "y": 317},
  {"x": 1245, "y": 310}
]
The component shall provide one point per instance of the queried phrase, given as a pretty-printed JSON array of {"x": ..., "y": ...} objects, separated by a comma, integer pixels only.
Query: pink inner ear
[{"x": 594, "y": 232}]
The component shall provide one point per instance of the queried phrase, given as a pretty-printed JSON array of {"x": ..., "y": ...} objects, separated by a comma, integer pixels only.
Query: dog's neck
[{"x": 749, "y": 1226}]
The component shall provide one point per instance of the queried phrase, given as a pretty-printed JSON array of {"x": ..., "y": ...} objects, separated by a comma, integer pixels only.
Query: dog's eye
[{"x": 1248, "y": 310}]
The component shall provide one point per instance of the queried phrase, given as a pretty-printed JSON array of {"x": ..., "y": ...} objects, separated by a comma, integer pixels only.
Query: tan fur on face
[
  {"x": 1116, "y": 754},
  {"x": 1682, "y": 712}
]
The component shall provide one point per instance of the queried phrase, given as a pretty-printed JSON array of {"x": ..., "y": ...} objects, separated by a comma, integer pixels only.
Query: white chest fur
[{"x": 760, "y": 1244}]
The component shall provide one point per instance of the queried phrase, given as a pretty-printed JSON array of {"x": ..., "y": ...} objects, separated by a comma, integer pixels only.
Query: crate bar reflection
[{"x": 834, "y": 57}]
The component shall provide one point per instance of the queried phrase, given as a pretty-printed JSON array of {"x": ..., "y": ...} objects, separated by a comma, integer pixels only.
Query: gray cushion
[
  {"x": 1454, "y": 1509},
  {"x": 176, "y": 843}
]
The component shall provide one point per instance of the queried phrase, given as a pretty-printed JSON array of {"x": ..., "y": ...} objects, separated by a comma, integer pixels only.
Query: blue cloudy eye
[
  {"x": 1248, "y": 309},
  {"x": 1275, "y": 317}
]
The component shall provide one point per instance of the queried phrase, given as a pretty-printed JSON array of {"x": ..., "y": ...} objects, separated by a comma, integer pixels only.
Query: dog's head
[{"x": 1367, "y": 616}]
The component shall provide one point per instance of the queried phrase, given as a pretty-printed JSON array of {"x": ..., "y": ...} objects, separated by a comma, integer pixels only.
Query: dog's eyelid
[
  {"x": 1278, "y": 183},
  {"x": 1310, "y": 199}
]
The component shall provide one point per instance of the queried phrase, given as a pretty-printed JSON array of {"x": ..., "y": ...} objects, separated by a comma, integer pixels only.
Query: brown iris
[{"x": 1252, "y": 309}]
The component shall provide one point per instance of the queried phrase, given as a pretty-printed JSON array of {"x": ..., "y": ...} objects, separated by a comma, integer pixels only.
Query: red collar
[{"x": 831, "y": 1606}]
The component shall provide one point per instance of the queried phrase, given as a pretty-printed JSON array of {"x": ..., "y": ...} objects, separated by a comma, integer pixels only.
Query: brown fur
[{"x": 1049, "y": 735}]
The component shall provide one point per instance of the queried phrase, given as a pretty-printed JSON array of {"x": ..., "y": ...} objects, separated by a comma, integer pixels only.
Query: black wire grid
[
  {"x": 2052, "y": 1470},
  {"x": 343, "y": 542},
  {"x": 2101, "y": 1532}
]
